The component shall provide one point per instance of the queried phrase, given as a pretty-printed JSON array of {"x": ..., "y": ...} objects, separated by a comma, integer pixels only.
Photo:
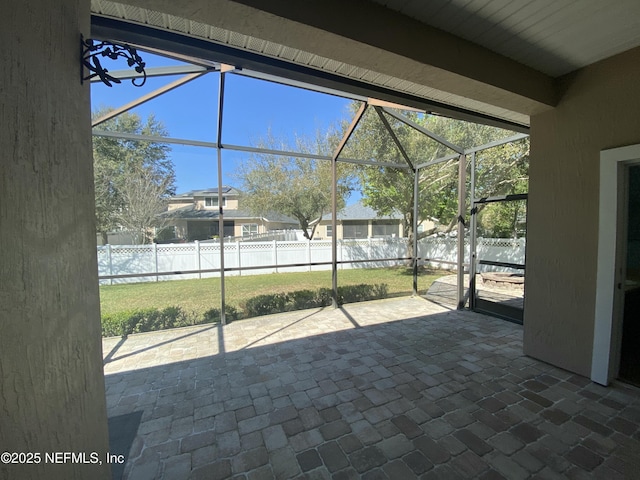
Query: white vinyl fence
[
  {"x": 508, "y": 250},
  {"x": 253, "y": 258}
]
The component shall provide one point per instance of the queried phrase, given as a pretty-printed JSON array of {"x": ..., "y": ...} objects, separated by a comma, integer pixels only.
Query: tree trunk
[
  {"x": 313, "y": 231},
  {"x": 408, "y": 226},
  {"x": 410, "y": 252}
]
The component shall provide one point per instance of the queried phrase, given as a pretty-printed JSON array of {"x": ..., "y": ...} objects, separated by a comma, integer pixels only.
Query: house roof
[
  {"x": 359, "y": 211},
  {"x": 190, "y": 212},
  {"x": 205, "y": 193}
]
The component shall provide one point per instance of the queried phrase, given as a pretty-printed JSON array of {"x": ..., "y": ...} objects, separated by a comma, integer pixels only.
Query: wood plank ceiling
[{"x": 552, "y": 36}]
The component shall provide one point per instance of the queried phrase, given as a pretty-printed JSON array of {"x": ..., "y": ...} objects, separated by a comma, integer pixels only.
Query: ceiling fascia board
[
  {"x": 457, "y": 65},
  {"x": 107, "y": 28}
]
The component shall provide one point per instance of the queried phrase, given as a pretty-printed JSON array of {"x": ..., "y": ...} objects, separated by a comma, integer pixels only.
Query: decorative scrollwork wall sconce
[{"x": 92, "y": 50}]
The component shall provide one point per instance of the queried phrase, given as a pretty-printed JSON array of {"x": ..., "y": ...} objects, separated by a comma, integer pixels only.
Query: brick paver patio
[{"x": 396, "y": 389}]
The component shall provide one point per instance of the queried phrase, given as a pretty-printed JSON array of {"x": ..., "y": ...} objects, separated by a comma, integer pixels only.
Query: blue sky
[{"x": 252, "y": 107}]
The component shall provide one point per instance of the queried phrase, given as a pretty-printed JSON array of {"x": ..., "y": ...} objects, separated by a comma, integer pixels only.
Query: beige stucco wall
[
  {"x": 231, "y": 203},
  {"x": 600, "y": 110},
  {"x": 173, "y": 204},
  {"x": 52, "y": 396}
]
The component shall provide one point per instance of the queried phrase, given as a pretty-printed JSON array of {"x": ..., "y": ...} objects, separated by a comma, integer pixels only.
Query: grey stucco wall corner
[
  {"x": 52, "y": 392},
  {"x": 598, "y": 110}
]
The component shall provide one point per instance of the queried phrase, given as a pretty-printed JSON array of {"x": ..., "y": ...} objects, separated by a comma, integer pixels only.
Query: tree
[
  {"x": 293, "y": 186},
  {"x": 504, "y": 219},
  {"x": 143, "y": 197},
  {"x": 387, "y": 189},
  {"x": 132, "y": 178}
]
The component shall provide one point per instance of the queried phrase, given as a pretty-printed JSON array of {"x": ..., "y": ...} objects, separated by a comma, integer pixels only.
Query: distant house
[
  {"x": 359, "y": 221},
  {"x": 195, "y": 215}
]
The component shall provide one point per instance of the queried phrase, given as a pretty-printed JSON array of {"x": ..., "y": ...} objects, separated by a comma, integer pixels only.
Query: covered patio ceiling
[{"x": 497, "y": 59}]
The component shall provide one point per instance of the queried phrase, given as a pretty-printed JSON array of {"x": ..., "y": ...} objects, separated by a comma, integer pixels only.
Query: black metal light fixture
[{"x": 92, "y": 50}]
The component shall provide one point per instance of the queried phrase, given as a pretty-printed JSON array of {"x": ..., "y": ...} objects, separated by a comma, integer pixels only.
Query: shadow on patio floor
[{"x": 415, "y": 392}]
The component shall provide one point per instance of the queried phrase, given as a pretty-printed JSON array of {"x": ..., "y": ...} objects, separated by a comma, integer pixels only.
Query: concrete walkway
[{"x": 397, "y": 389}]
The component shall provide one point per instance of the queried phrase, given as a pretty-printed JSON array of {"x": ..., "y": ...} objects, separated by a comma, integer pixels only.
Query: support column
[
  {"x": 334, "y": 227},
  {"x": 223, "y": 317},
  {"x": 462, "y": 182},
  {"x": 334, "y": 203},
  {"x": 416, "y": 202},
  {"x": 473, "y": 233},
  {"x": 52, "y": 395}
]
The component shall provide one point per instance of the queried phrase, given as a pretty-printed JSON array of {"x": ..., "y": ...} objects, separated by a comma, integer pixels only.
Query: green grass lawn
[{"x": 201, "y": 295}]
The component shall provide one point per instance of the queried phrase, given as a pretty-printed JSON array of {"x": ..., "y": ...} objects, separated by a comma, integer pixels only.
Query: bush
[
  {"x": 145, "y": 321},
  {"x": 115, "y": 324},
  {"x": 362, "y": 292},
  {"x": 149, "y": 320},
  {"x": 324, "y": 296},
  {"x": 381, "y": 290},
  {"x": 152, "y": 319},
  {"x": 304, "y": 299},
  {"x": 213, "y": 315},
  {"x": 265, "y": 304}
]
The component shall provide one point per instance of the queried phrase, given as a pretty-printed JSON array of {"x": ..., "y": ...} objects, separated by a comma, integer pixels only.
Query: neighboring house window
[
  {"x": 355, "y": 230},
  {"x": 249, "y": 229},
  {"x": 213, "y": 201},
  {"x": 329, "y": 230},
  {"x": 385, "y": 229}
]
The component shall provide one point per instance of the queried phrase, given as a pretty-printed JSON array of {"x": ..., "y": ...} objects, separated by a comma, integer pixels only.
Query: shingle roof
[
  {"x": 190, "y": 212},
  {"x": 206, "y": 192},
  {"x": 358, "y": 211}
]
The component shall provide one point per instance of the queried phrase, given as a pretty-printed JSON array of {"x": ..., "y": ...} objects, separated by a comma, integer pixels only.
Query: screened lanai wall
[{"x": 453, "y": 163}]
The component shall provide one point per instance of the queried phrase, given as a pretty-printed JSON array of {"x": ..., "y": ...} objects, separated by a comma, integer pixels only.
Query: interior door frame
[{"x": 611, "y": 267}]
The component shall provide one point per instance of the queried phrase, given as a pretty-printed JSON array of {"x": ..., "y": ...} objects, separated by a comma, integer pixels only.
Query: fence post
[
  {"x": 198, "y": 261},
  {"x": 155, "y": 256},
  {"x": 275, "y": 254},
  {"x": 110, "y": 263},
  {"x": 309, "y": 252},
  {"x": 239, "y": 258}
]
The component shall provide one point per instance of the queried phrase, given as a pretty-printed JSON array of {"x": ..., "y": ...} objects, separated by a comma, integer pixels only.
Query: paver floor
[
  {"x": 399, "y": 389},
  {"x": 445, "y": 291}
]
